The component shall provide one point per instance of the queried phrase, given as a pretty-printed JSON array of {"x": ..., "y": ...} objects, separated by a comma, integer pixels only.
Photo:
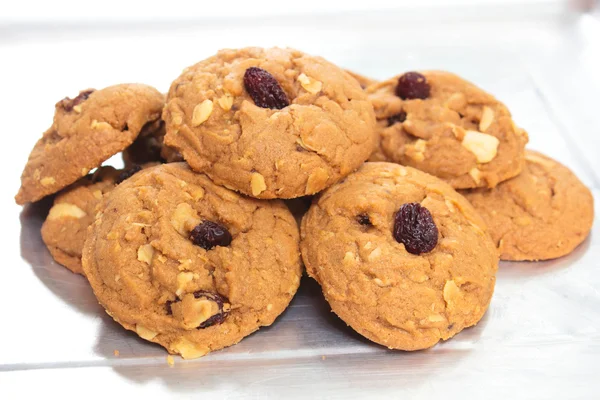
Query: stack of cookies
[{"x": 192, "y": 247}]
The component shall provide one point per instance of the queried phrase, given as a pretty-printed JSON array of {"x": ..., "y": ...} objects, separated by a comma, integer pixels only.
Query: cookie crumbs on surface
[
  {"x": 170, "y": 360},
  {"x": 116, "y": 353},
  {"x": 323, "y": 358}
]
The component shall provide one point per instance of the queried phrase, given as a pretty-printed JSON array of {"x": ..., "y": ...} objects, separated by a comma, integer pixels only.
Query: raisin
[
  {"x": 219, "y": 317},
  {"x": 210, "y": 234},
  {"x": 128, "y": 173},
  {"x": 363, "y": 219},
  {"x": 414, "y": 227},
  {"x": 68, "y": 103},
  {"x": 400, "y": 117},
  {"x": 264, "y": 89},
  {"x": 412, "y": 85}
]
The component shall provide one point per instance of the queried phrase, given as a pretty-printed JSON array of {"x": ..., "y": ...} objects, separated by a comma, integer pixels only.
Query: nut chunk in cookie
[
  {"x": 270, "y": 123},
  {"x": 441, "y": 124},
  {"x": 543, "y": 213},
  {"x": 188, "y": 264},
  {"x": 401, "y": 256},
  {"x": 86, "y": 131}
]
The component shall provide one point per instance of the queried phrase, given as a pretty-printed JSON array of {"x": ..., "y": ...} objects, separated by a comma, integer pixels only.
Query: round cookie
[
  {"x": 441, "y": 124},
  {"x": 401, "y": 257},
  {"x": 543, "y": 213},
  {"x": 65, "y": 229},
  {"x": 190, "y": 265},
  {"x": 86, "y": 131},
  {"x": 273, "y": 123}
]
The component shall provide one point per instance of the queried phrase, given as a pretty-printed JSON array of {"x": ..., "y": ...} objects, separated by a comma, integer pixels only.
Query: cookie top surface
[
  {"x": 325, "y": 132},
  {"x": 543, "y": 213},
  {"x": 399, "y": 299},
  {"x": 439, "y": 123},
  {"x": 86, "y": 131},
  {"x": 146, "y": 270}
]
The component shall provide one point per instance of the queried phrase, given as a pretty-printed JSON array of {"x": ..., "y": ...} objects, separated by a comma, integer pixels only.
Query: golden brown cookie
[
  {"x": 543, "y": 213},
  {"x": 273, "y": 123},
  {"x": 190, "y": 265},
  {"x": 441, "y": 124},
  {"x": 401, "y": 257},
  {"x": 87, "y": 130},
  {"x": 65, "y": 229}
]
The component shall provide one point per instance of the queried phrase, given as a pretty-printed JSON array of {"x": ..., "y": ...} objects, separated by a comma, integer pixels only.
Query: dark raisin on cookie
[
  {"x": 68, "y": 103},
  {"x": 412, "y": 85},
  {"x": 414, "y": 227},
  {"x": 128, "y": 173},
  {"x": 209, "y": 234},
  {"x": 222, "y": 303},
  {"x": 264, "y": 89},
  {"x": 396, "y": 118},
  {"x": 364, "y": 219},
  {"x": 168, "y": 307}
]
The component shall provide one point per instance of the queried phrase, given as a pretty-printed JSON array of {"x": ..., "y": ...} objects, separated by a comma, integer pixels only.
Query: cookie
[
  {"x": 65, "y": 229},
  {"x": 273, "y": 123},
  {"x": 86, "y": 131},
  {"x": 543, "y": 213},
  {"x": 362, "y": 80},
  {"x": 441, "y": 124},
  {"x": 401, "y": 257},
  {"x": 190, "y": 265}
]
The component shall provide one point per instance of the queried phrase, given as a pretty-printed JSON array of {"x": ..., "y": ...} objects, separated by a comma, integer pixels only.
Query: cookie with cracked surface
[
  {"x": 86, "y": 131},
  {"x": 439, "y": 123},
  {"x": 273, "y": 123},
  {"x": 401, "y": 257},
  {"x": 65, "y": 229},
  {"x": 543, "y": 213},
  {"x": 188, "y": 264}
]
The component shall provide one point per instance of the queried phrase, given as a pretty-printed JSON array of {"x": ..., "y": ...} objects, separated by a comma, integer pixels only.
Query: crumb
[
  {"x": 323, "y": 358},
  {"x": 170, "y": 360},
  {"x": 116, "y": 353}
]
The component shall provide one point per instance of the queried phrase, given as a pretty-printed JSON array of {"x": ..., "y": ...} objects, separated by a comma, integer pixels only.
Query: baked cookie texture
[
  {"x": 65, "y": 229},
  {"x": 453, "y": 129},
  {"x": 73, "y": 211},
  {"x": 86, "y": 131},
  {"x": 146, "y": 270},
  {"x": 387, "y": 294},
  {"x": 543, "y": 213},
  {"x": 326, "y": 131}
]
